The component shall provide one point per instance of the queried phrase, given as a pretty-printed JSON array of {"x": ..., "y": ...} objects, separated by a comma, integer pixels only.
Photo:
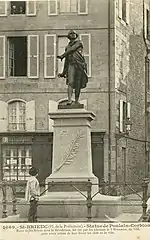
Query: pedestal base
[
  {"x": 74, "y": 206},
  {"x": 60, "y": 183}
]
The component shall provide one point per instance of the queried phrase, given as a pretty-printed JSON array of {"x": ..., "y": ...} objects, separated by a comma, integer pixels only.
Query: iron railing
[{"x": 12, "y": 186}]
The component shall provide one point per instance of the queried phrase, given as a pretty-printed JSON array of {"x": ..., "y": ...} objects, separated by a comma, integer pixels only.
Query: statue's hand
[
  {"x": 60, "y": 57},
  {"x": 60, "y": 75}
]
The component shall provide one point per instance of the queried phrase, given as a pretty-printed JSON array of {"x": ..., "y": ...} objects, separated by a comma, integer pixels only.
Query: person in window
[
  {"x": 32, "y": 194},
  {"x": 75, "y": 68}
]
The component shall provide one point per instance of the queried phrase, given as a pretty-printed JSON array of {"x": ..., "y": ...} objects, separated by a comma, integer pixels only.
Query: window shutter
[
  {"x": 52, "y": 108},
  {"x": 50, "y": 56},
  {"x": 31, "y": 8},
  {"x": 73, "y": 6},
  {"x": 86, "y": 39},
  {"x": 52, "y": 7},
  {"x": 33, "y": 56},
  {"x": 128, "y": 110},
  {"x": 62, "y": 43},
  {"x": 2, "y": 57},
  {"x": 120, "y": 9},
  {"x": 30, "y": 116},
  {"x": 3, "y": 116},
  {"x": 121, "y": 116},
  {"x": 127, "y": 11},
  {"x": 3, "y": 8},
  {"x": 82, "y": 7}
]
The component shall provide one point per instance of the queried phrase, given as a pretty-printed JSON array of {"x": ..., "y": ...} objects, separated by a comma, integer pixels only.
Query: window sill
[{"x": 18, "y": 14}]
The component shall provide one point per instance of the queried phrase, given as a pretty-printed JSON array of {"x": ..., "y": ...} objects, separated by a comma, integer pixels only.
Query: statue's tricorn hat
[{"x": 72, "y": 31}]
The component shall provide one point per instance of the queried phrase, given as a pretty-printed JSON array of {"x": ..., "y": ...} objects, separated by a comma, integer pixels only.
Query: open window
[
  {"x": 17, "y": 55},
  {"x": 125, "y": 114},
  {"x": 18, "y": 7}
]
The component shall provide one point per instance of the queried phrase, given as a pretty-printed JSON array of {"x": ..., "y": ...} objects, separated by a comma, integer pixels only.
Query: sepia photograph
[{"x": 75, "y": 115}]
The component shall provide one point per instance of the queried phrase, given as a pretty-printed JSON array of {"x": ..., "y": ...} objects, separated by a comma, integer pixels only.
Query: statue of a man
[{"x": 75, "y": 68}]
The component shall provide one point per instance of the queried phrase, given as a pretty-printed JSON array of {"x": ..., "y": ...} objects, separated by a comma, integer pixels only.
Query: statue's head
[{"x": 72, "y": 34}]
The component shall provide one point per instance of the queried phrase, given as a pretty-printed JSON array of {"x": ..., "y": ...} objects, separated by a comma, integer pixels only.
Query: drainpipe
[
  {"x": 109, "y": 94},
  {"x": 146, "y": 86}
]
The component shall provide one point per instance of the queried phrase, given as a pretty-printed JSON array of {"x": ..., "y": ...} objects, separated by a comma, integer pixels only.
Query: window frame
[
  {"x": 4, "y": 56},
  {"x": 14, "y": 172},
  {"x": 5, "y": 12},
  {"x": 29, "y": 56},
  {"x": 126, "y": 19},
  {"x": 122, "y": 119},
  {"x": 56, "y": 9},
  {"x": 47, "y": 55},
  {"x": 8, "y": 58},
  {"x": 18, "y": 14},
  {"x": 27, "y": 8},
  {"x": 90, "y": 51},
  {"x": 83, "y": 13},
  {"x": 17, "y": 117}
]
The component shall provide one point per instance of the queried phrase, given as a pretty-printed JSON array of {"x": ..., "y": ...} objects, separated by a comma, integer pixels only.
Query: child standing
[{"x": 32, "y": 194}]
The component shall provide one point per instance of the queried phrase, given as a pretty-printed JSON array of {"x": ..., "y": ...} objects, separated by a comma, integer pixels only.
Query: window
[
  {"x": 17, "y": 53},
  {"x": 18, "y": 7},
  {"x": 50, "y": 53},
  {"x": 50, "y": 56},
  {"x": 125, "y": 109},
  {"x": 2, "y": 57},
  {"x": 123, "y": 10},
  {"x": 16, "y": 116},
  {"x": 147, "y": 20},
  {"x": 3, "y": 8},
  {"x": 17, "y": 161},
  {"x": 62, "y": 43},
  {"x": 67, "y": 6},
  {"x": 86, "y": 39},
  {"x": 23, "y": 50}
]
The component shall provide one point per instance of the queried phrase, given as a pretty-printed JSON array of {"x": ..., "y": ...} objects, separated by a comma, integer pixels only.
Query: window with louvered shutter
[
  {"x": 33, "y": 56},
  {"x": 52, "y": 7},
  {"x": 3, "y": 8},
  {"x": 83, "y": 7},
  {"x": 2, "y": 57},
  {"x": 50, "y": 56},
  {"x": 3, "y": 116},
  {"x": 62, "y": 43},
  {"x": 121, "y": 116},
  {"x": 86, "y": 39},
  {"x": 30, "y": 116},
  {"x": 31, "y": 8}
]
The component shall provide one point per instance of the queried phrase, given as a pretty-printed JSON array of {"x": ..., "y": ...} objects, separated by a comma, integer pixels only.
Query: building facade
[{"x": 32, "y": 34}]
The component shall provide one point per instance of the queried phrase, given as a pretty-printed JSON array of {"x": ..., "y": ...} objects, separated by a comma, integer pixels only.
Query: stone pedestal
[
  {"x": 72, "y": 147},
  {"x": 72, "y": 163}
]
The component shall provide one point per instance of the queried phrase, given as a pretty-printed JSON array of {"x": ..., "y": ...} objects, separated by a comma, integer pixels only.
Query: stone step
[{"x": 124, "y": 217}]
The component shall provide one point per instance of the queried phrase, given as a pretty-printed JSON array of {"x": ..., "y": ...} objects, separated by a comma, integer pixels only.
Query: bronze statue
[{"x": 75, "y": 68}]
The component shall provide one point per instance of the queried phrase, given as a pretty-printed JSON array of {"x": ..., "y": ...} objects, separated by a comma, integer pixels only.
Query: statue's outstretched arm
[{"x": 72, "y": 49}]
